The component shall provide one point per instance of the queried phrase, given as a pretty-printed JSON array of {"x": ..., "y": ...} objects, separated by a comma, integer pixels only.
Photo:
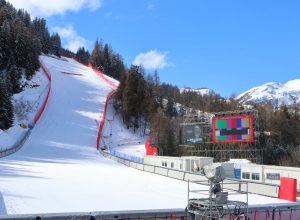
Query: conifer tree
[
  {"x": 6, "y": 108},
  {"x": 130, "y": 99},
  {"x": 21, "y": 50},
  {"x": 4, "y": 49},
  {"x": 55, "y": 47},
  {"x": 96, "y": 58},
  {"x": 117, "y": 66},
  {"x": 41, "y": 30},
  {"x": 119, "y": 93},
  {"x": 170, "y": 109},
  {"x": 107, "y": 68},
  {"x": 14, "y": 75},
  {"x": 83, "y": 55}
]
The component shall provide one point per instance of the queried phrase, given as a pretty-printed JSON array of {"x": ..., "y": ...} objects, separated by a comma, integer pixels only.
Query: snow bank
[
  {"x": 3, "y": 210},
  {"x": 26, "y": 105}
]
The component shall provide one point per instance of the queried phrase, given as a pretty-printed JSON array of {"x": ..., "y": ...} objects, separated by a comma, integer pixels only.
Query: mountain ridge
[
  {"x": 273, "y": 92},
  {"x": 200, "y": 91}
]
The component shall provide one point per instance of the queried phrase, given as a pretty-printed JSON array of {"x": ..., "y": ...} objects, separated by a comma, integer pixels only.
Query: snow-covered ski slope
[{"x": 59, "y": 170}]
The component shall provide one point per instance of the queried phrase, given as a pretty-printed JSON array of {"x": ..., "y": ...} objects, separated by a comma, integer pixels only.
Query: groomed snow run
[{"x": 59, "y": 170}]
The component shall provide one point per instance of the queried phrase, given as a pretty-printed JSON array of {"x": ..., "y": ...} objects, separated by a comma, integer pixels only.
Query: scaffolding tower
[{"x": 221, "y": 151}]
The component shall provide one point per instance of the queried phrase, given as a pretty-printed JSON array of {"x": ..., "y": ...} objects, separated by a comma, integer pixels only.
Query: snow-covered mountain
[
  {"x": 273, "y": 92},
  {"x": 199, "y": 91}
]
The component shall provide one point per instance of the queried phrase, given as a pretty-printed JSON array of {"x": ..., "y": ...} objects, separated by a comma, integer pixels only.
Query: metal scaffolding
[
  {"x": 221, "y": 151},
  {"x": 203, "y": 204}
]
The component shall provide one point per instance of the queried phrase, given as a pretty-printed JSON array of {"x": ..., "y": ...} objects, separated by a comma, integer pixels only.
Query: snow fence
[
  {"x": 106, "y": 80},
  {"x": 20, "y": 140},
  {"x": 108, "y": 97},
  {"x": 112, "y": 151},
  {"x": 24, "y": 133},
  {"x": 43, "y": 106}
]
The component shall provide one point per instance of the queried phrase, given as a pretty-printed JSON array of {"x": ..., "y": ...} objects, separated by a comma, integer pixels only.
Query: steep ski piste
[{"x": 59, "y": 169}]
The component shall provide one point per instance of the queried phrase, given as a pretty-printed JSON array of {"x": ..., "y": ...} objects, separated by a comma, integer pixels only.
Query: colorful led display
[{"x": 232, "y": 129}]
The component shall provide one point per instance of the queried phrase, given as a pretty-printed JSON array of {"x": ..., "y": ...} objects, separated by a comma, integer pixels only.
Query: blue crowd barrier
[
  {"x": 237, "y": 174},
  {"x": 126, "y": 156}
]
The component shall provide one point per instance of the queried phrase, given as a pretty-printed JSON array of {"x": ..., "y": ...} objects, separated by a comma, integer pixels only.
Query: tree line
[
  {"x": 103, "y": 58},
  {"x": 280, "y": 133},
  {"x": 22, "y": 40},
  {"x": 144, "y": 101}
]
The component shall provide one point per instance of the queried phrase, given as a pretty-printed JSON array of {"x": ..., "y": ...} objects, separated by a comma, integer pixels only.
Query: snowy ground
[
  {"x": 119, "y": 138},
  {"x": 59, "y": 161},
  {"x": 59, "y": 170},
  {"x": 25, "y": 104}
]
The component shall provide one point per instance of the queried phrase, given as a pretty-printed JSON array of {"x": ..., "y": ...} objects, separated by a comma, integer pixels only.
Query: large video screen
[
  {"x": 193, "y": 133},
  {"x": 232, "y": 129}
]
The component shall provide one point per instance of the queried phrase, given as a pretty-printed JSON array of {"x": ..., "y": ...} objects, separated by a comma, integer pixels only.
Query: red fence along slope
[
  {"x": 42, "y": 108},
  {"x": 149, "y": 150}
]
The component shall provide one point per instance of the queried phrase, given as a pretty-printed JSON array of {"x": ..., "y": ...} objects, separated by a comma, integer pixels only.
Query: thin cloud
[
  {"x": 150, "y": 6},
  {"x": 93, "y": 5},
  {"x": 152, "y": 60},
  {"x": 70, "y": 38},
  {"x": 49, "y": 8}
]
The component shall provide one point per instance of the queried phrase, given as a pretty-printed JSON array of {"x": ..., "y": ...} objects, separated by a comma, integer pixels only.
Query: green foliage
[
  {"x": 67, "y": 53},
  {"x": 21, "y": 43},
  {"x": 170, "y": 109},
  {"x": 41, "y": 30},
  {"x": 6, "y": 108},
  {"x": 83, "y": 55},
  {"x": 106, "y": 60},
  {"x": 55, "y": 45},
  {"x": 14, "y": 76},
  {"x": 134, "y": 99},
  {"x": 164, "y": 133},
  {"x": 96, "y": 58},
  {"x": 279, "y": 133}
]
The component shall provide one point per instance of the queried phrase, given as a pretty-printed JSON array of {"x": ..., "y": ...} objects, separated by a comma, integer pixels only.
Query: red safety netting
[
  {"x": 103, "y": 118},
  {"x": 41, "y": 110},
  {"x": 99, "y": 73}
]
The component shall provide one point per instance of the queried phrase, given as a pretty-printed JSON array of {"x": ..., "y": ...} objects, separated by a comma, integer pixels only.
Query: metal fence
[
  {"x": 167, "y": 214},
  {"x": 19, "y": 143},
  {"x": 264, "y": 189},
  {"x": 126, "y": 156}
]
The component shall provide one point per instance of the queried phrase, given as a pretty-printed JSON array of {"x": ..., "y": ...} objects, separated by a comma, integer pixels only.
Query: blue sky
[{"x": 229, "y": 46}]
